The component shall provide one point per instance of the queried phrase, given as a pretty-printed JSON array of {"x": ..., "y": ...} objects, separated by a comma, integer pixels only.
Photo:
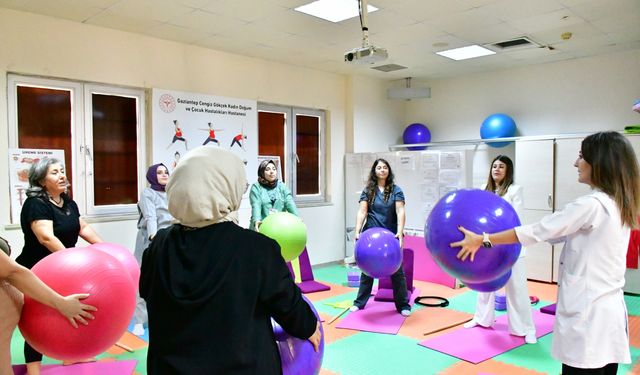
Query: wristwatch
[{"x": 486, "y": 242}]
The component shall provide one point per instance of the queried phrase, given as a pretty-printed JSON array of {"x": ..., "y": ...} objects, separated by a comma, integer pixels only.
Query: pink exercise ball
[
  {"x": 124, "y": 256},
  {"x": 79, "y": 270}
]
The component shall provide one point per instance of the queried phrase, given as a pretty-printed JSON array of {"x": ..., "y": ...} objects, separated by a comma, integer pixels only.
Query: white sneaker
[
  {"x": 138, "y": 329},
  {"x": 530, "y": 338},
  {"x": 405, "y": 312},
  {"x": 470, "y": 324},
  {"x": 354, "y": 308}
]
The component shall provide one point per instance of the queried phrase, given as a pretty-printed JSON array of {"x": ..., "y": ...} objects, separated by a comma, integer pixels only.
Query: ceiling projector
[{"x": 366, "y": 55}]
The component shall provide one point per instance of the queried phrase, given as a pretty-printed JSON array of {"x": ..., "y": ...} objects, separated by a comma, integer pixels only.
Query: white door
[
  {"x": 566, "y": 182},
  {"x": 534, "y": 171}
]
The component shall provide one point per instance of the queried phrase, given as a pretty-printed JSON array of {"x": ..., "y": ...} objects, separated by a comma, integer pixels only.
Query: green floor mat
[
  {"x": 333, "y": 273},
  {"x": 633, "y": 304},
  {"x": 534, "y": 357},
  {"x": 538, "y": 357},
  {"x": 370, "y": 353}
]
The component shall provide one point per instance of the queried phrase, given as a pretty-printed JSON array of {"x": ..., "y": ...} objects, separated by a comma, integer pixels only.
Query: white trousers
[{"x": 518, "y": 303}]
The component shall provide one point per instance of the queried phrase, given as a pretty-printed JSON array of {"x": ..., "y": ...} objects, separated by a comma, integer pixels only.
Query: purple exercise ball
[
  {"x": 478, "y": 211},
  {"x": 489, "y": 286},
  {"x": 297, "y": 355},
  {"x": 378, "y": 252},
  {"x": 416, "y": 133}
]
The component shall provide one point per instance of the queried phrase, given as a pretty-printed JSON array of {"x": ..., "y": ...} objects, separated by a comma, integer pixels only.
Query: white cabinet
[
  {"x": 539, "y": 257},
  {"x": 534, "y": 172},
  {"x": 567, "y": 188}
]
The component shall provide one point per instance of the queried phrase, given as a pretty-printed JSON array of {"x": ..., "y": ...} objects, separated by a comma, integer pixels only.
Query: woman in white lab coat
[
  {"x": 500, "y": 182},
  {"x": 590, "y": 334}
]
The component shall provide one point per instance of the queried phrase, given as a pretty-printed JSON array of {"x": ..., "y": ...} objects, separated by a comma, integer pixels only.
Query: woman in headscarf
[
  {"x": 269, "y": 195},
  {"x": 210, "y": 285},
  {"x": 154, "y": 215}
]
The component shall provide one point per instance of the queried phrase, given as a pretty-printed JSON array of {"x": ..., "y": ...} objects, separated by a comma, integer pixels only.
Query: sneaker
[
  {"x": 354, "y": 308},
  {"x": 470, "y": 324},
  {"x": 405, "y": 312},
  {"x": 530, "y": 338},
  {"x": 138, "y": 329}
]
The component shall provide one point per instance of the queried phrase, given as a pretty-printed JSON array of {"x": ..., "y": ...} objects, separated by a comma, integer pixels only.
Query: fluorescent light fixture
[
  {"x": 333, "y": 10},
  {"x": 467, "y": 52}
]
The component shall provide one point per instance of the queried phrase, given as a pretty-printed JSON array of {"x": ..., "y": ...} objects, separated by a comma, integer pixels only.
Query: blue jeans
[{"x": 400, "y": 294}]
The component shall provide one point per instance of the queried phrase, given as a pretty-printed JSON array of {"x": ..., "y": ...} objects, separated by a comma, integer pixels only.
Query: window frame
[
  {"x": 82, "y": 181},
  {"x": 290, "y": 171}
]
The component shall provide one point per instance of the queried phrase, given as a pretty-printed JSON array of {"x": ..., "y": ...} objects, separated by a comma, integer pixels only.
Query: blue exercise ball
[
  {"x": 416, "y": 133},
  {"x": 498, "y": 125},
  {"x": 478, "y": 211}
]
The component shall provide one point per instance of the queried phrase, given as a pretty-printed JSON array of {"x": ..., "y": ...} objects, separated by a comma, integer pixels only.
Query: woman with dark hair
[
  {"x": 212, "y": 286},
  {"x": 50, "y": 221},
  {"x": 382, "y": 205},
  {"x": 269, "y": 195},
  {"x": 154, "y": 215},
  {"x": 500, "y": 182},
  {"x": 591, "y": 332}
]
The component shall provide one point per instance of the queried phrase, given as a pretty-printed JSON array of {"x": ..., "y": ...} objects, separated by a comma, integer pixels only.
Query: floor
[{"x": 350, "y": 352}]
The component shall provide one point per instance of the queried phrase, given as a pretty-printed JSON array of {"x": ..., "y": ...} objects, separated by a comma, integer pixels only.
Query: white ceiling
[{"x": 411, "y": 30}]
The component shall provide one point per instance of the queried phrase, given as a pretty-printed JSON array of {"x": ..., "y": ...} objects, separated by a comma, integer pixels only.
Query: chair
[{"x": 307, "y": 283}]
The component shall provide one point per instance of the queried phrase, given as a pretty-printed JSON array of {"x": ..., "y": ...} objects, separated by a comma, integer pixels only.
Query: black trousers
[
  {"x": 30, "y": 354},
  {"x": 400, "y": 293},
  {"x": 610, "y": 369}
]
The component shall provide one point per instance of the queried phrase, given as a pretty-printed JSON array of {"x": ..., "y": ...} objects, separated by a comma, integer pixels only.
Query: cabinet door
[
  {"x": 567, "y": 187},
  {"x": 539, "y": 257},
  {"x": 534, "y": 171}
]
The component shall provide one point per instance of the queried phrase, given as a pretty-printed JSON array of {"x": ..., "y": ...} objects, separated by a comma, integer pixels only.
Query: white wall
[
  {"x": 581, "y": 95},
  {"x": 377, "y": 121},
  {"x": 574, "y": 96},
  {"x": 50, "y": 47}
]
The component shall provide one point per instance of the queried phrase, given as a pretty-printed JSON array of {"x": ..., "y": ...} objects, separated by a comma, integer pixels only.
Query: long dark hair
[
  {"x": 372, "y": 183},
  {"x": 508, "y": 176},
  {"x": 614, "y": 170}
]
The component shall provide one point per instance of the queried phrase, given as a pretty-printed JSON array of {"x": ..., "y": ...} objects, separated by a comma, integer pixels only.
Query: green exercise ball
[{"x": 288, "y": 231}]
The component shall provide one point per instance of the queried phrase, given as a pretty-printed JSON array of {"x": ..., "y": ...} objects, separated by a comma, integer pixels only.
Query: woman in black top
[{"x": 50, "y": 221}]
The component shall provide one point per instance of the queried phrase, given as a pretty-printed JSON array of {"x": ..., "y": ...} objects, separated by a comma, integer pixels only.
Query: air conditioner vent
[
  {"x": 522, "y": 42},
  {"x": 389, "y": 67}
]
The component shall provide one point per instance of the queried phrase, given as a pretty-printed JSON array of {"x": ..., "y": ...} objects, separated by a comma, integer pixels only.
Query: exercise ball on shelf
[
  {"x": 416, "y": 133},
  {"x": 498, "y": 125}
]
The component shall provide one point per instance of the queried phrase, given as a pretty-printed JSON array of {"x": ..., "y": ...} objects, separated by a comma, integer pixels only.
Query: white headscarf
[{"x": 207, "y": 187}]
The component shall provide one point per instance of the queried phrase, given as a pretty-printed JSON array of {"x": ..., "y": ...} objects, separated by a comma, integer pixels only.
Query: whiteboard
[{"x": 423, "y": 176}]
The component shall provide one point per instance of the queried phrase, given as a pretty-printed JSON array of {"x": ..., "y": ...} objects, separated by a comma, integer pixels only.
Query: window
[
  {"x": 297, "y": 136},
  {"x": 99, "y": 127}
]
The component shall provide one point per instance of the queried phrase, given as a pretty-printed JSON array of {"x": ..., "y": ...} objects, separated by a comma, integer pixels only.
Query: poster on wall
[
  {"x": 183, "y": 121},
  {"x": 20, "y": 160}
]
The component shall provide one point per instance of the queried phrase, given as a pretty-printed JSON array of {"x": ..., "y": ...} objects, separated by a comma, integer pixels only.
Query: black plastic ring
[{"x": 444, "y": 302}]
